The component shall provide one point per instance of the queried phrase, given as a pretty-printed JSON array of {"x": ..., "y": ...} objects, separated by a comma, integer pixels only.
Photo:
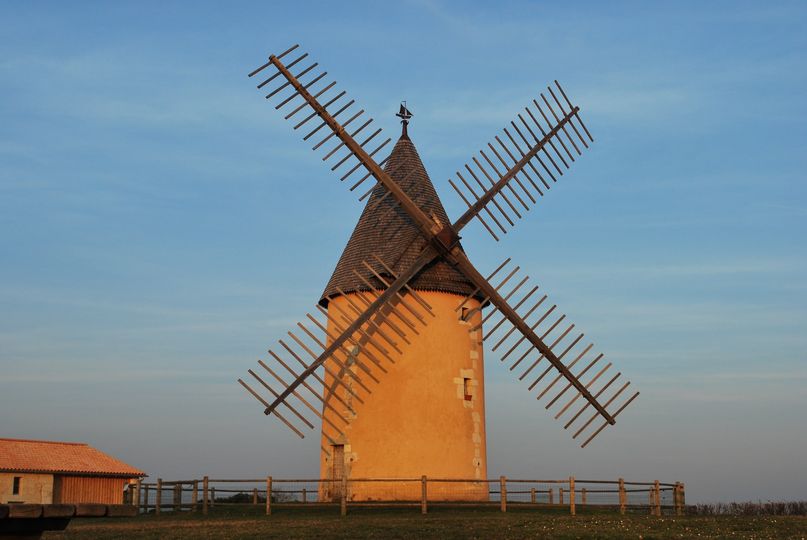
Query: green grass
[{"x": 442, "y": 523}]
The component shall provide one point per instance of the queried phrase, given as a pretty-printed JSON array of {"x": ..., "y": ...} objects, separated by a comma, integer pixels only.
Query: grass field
[{"x": 441, "y": 523}]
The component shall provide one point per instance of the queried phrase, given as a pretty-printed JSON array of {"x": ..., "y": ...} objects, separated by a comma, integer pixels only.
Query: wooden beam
[
  {"x": 159, "y": 502},
  {"x": 205, "y": 494},
  {"x": 572, "y": 508},
  {"x": 121, "y": 510},
  {"x": 423, "y": 489},
  {"x": 32, "y": 511},
  {"x": 58, "y": 510},
  {"x": 343, "y": 499},
  {"x": 91, "y": 510},
  {"x": 268, "y": 495}
]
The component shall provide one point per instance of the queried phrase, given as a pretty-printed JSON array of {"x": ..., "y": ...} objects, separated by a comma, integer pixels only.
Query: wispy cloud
[
  {"x": 128, "y": 96},
  {"x": 93, "y": 376},
  {"x": 705, "y": 269}
]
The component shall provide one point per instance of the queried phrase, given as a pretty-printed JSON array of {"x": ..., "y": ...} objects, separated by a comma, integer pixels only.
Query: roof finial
[{"x": 404, "y": 114}]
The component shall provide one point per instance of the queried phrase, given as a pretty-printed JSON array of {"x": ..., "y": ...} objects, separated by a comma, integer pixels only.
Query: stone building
[{"x": 51, "y": 472}]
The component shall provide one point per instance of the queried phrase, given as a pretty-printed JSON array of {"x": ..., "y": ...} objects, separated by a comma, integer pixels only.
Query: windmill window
[
  {"x": 464, "y": 314},
  {"x": 466, "y": 388},
  {"x": 15, "y": 488}
]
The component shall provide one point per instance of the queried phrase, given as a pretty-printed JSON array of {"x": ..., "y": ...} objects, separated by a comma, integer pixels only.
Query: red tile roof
[{"x": 20, "y": 455}]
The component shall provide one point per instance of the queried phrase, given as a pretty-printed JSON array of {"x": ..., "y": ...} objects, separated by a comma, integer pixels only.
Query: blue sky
[{"x": 161, "y": 226}]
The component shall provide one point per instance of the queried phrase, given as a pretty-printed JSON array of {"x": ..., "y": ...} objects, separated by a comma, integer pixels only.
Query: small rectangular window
[
  {"x": 466, "y": 388},
  {"x": 15, "y": 488},
  {"x": 464, "y": 314}
]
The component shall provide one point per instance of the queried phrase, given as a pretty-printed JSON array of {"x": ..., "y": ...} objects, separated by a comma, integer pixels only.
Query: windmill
[{"x": 391, "y": 373}]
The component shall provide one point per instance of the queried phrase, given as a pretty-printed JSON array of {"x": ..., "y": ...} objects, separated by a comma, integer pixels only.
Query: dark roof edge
[
  {"x": 41, "y": 441},
  {"x": 117, "y": 474},
  {"x": 447, "y": 290}
]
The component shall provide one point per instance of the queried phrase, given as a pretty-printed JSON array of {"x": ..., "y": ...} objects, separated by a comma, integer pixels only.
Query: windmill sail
[
  {"x": 568, "y": 363},
  {"x": 507, "y": 176},
  {"x": 404, "y": 243},
  {"x": 337, "y": 124},
  {"x": 374, "y": 323}
]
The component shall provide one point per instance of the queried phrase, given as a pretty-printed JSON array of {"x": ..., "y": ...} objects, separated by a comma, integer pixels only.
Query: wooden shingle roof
[
  {"x": 53, "y": 457},
  {"x": 391, "y": 234}
]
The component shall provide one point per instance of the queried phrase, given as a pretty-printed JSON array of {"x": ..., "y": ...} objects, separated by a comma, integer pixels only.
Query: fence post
[
  {"x": 177, "y": 497},
  {"x": 622, "y": 496},
  {"x": 657, "y": 493},
  {"x": 675, "y": 499},
  {"x": 159, "y": 501},
  {"x": 682, "y": 498},
  {"x": 532, "y": 495},
  {"x": 212, "y": 497},
  {"x": 423, "y": 507},
  {"x": 503, "y": 492},
  {"x": 255, "y": 496},
  {"x": 343, "y": 502},
  {"x": 304, "y": 497},
  {"x": 205, "y": 495},
  {"x": 146, "y": 499},
  {"x": 583, "y": 500},
  {"x": 268, "y": 495},
  {"x": 560, "y": 495},
  {"x": 551, "y": 496},
  {"x": 195, "y": 495},
  {"x": 572, "y": 509},
  {"x": 138, "y": 487}
]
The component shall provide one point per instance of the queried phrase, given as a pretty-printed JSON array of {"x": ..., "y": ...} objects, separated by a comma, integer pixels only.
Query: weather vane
[{"x": 404, "y": 114}]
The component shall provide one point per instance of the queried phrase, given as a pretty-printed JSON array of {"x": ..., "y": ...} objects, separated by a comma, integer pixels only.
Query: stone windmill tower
[
  {"x": 393, "y": 370},
  {"x": 440, "y": 368}
]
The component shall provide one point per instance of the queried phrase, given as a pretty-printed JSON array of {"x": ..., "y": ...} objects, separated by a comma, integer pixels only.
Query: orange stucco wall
[{"x": 417, "y": 421}]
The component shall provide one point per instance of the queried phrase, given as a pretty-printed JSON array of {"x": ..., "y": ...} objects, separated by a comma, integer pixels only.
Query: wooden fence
[{"x": 196, "y": 495}]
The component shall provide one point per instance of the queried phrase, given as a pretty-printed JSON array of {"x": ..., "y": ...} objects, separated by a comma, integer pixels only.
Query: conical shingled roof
[{"x": 392, "y": 235}]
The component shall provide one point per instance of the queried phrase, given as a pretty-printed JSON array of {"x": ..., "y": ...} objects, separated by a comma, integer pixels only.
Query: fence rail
[{"x": 199, "y": 495}]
